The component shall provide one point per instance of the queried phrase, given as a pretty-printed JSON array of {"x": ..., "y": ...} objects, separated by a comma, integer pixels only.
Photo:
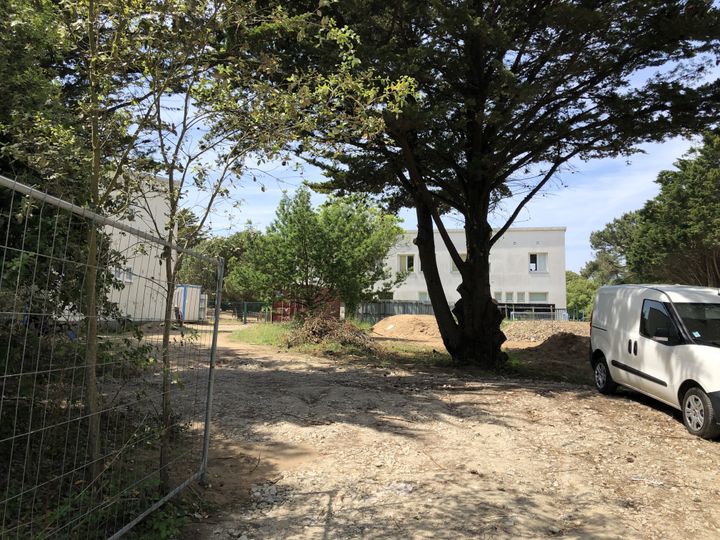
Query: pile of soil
[
  {"x": 424, "y": 328},
  {"x": 329, "y": 329},
  {"x": 540, "y": 331},
  {"x": 408, "y": 327}
]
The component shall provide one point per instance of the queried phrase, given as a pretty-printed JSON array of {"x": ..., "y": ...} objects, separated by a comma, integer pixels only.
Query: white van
[{"x": 663, "y": 341}]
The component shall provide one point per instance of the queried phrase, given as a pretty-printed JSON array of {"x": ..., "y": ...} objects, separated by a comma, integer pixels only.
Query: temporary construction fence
[
  {"x": 373, "y": 312},
  {"x": 533, "y": 312},
  {"x": 104, "y": 411},
  {"x": 252, "y": 311}
]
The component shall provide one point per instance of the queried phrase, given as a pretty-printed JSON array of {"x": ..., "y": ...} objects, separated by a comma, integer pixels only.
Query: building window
[
  {"x": 463, "y": 256},
  {"x": 423, "y": 296},
  {"x": 509, "y": 297},
  {"x": 498, "y": 296},
  {"x": 124, "y": 274},
  {"x": 520, "y": 297},
  {"x": 538, "y": 297},
  {"x": 538, "y": 262},
  {"x": 407, "y": 263}
]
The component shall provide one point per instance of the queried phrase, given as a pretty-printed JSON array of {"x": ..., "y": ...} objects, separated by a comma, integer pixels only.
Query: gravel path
[{"x": 309, "y": 448}]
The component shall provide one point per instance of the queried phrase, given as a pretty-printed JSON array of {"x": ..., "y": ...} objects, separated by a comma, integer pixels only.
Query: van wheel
[
  {"x": 699, "y": 417},
  {"x": 603, "y": 380}
]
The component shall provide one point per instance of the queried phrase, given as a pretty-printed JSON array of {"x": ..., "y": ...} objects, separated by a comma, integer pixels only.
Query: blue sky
[
  {"x": 585, "y": 200},
  {"x": 597, "y": 192}
]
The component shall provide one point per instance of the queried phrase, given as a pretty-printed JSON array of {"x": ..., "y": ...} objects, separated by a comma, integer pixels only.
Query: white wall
[
  {"x": 509, "y": 265},
  {"x": 142, "y": 297}
]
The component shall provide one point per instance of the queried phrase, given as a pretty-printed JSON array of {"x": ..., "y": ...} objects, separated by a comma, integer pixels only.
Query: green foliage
[
  {"x": 580, "y": 294},
  {"x": 678, "y": 236},
  {"x": 233, "y": 249},
  {"x": 335, "y": 252},
  {"x": 611, "y": 245},
  {"x": 163, "y": 524},
  {"x": 275, "y": 334},
  {"x": 127, "y": 356},
  {"x": 504, "y": 95},
  {"x": 35, "y": 137},
  {"x": 675, "y": 237}
]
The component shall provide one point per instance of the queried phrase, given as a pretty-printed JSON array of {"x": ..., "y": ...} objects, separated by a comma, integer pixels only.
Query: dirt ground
[{"x": 312, "y": 448}]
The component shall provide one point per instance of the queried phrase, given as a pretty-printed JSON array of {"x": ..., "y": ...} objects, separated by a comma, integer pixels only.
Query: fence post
[{"x": 211, "y": 373}]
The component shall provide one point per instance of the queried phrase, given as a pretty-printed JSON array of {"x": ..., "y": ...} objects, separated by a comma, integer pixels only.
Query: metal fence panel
[
  {"x": 376, "y": 311},
  {"x": 71, "y": 467}
]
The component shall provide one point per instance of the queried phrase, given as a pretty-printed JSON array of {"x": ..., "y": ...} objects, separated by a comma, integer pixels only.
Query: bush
[{"x": 327, "y": 330}]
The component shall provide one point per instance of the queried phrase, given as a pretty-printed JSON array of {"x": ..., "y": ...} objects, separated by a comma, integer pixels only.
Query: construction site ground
[{"x": 307, "y": 447}]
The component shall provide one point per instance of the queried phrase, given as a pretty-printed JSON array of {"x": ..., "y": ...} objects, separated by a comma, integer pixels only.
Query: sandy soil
[{"x": 309, "y": 448}]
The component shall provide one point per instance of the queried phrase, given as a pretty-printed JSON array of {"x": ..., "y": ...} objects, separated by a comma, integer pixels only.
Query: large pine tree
[{"x": 508, "y": 92}]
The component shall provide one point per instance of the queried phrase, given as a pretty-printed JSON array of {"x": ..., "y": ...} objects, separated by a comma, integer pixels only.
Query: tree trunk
[
  {"x": 477, "y": 312},
  {"x": 166, "y": 379},
  {"x": 91, "y": 392},
  {"x": 91, "y": 269},
  {"x": 425, "y": 241},
  {"x": 473, "y": 335}
]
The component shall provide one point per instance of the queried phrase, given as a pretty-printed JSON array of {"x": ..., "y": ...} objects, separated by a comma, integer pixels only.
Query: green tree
[
  {"x": 508, "y": 93},
  {"x": 233, "y": 249},
  {"x": 64, "y": 130},
  {"x": 611, "y": 246},
  {"x": 678, "y": 237},
  {"x": 315, "y": 256},
  {"x": 580, "y": 294}
]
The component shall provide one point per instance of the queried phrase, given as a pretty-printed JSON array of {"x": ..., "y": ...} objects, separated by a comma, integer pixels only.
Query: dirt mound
[
  {"x": 409, "y": 327},
  {"x": 543, "y": 330},
  {"x": 424, "y": 328},
  {"x": 329, "y": 329},
  {"x": 565, "y": 344}
]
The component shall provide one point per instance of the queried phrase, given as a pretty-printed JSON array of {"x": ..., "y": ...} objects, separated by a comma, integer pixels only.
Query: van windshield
[{"x": 701, "y": 320}]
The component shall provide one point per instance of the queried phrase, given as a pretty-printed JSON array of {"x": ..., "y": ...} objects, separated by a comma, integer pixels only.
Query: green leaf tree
[
  {"x": 233, "y": 249},
  {"x": 580, "y": 294},
  {"x": 611, "y": 246},
  {"x": 507, "y": 94},
  {"x": 312, "y": 256},
  {"x": 678, "y": 236}
]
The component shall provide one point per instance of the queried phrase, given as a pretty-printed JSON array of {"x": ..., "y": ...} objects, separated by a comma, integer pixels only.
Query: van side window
[{"x": 655, "y": 321}]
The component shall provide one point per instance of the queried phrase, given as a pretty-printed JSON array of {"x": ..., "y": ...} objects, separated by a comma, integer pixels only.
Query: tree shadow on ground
[
  {"x": 472, "y": 508},
  {"x": 357, "y": 393},
  {"x": 263, "y": 397}
]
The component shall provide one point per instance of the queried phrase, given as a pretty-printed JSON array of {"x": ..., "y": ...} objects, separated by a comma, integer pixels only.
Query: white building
[
  {"x": 527, "y": 266},
  {"x": 142, "y": 273}
]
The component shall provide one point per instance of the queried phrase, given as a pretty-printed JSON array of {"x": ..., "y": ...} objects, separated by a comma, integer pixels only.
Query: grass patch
[
  {"x": 412, "y": 355},
  {"x": 388, "y": 354},
  {"x": 365, "y": 326},
  {"x": 275, "y": 334}
]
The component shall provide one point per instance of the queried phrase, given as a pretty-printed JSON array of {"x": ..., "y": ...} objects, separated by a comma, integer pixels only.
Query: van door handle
[
  {"x": 629, "y": 346},
  {"x": 635, "y": 348}
]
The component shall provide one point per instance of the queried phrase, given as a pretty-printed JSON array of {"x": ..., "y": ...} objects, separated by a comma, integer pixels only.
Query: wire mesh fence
[
  {"x": 373, "y": 312},
  {"x": 104, "y": 407},
  {"x": 253, "y": 312}
]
